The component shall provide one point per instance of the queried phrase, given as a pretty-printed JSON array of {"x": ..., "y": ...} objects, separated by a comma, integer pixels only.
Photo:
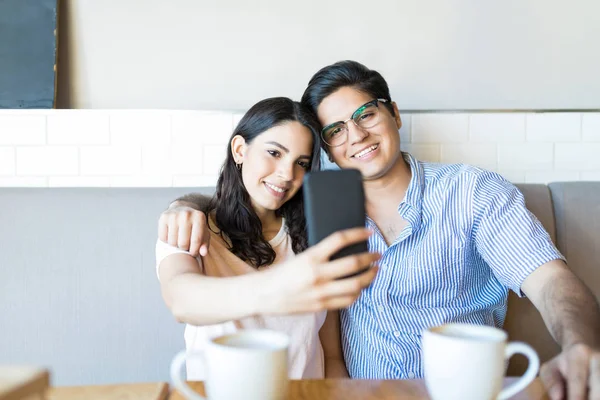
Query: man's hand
[
  {"x": 572, "y": 315},
  {"x": 574, "y": 374},
  {"x": 186, "y": 228}
]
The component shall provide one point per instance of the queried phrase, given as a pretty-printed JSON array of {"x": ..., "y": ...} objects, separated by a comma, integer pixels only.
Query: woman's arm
[
  {"x": 308, "y": 282},
  {"x": 201, "y": 300},
  {"x": 332, "y": 346}
]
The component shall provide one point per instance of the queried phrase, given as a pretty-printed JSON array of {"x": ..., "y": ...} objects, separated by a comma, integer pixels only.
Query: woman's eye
[
  {"x": 274, "y": 153},
  {"x": 304, "y": 164}
]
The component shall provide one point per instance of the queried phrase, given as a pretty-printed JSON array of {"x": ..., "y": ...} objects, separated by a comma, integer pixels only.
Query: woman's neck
[{"x": 271, "y": 223}]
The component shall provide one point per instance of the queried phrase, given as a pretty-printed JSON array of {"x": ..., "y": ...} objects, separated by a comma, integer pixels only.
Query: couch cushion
[{"x": 523, "y": 321}]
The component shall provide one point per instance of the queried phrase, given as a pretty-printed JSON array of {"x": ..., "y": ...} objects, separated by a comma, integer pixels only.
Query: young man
[{"x": 453, "y": 239}]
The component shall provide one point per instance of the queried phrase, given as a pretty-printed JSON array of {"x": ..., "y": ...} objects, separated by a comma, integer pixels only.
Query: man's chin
[
  {"x": 369, "y": 171},
  {"x": 373, "y": 176}
]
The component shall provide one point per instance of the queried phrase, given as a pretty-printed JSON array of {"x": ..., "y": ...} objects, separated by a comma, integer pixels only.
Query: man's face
[{"x": 372, "y": 151}]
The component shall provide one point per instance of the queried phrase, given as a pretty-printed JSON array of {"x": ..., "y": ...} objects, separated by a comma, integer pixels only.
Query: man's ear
[
  {"x": 397, "y": 115},
  {"x": 238, "y": 149}
]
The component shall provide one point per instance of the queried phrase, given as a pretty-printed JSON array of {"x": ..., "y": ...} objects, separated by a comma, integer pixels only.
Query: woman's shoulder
[{"x": 215, "y": 232}]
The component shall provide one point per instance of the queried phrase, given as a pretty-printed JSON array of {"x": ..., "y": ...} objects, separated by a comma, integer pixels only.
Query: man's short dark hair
[{"x": 345, "y": 73}]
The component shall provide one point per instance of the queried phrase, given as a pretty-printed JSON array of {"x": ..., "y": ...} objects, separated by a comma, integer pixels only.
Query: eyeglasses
[{"x": 367, "y": 116}]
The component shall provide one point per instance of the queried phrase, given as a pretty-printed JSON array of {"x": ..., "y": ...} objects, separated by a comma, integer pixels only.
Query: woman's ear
[
  {"x": 397, "y": 115},
  {"x": 238, "y": 149}
]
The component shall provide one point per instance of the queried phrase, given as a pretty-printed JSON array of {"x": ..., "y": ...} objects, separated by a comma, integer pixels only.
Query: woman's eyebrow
[{"x": 282, "y": 147}]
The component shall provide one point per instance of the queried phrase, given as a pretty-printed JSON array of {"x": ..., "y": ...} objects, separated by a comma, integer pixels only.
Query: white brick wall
[
  {"x": 77, "y": 128},
  {"x": 47, "y": 161},
  {"x": 7, "y": 161},
  {"x": 497, "y": 128},
  {"x": 163, "y": 148},
  {"x": 440, "y": 128}
]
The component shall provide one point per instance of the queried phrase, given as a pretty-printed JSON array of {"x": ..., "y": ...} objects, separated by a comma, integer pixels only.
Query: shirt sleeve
[
  {"x": 163, "y": 250},
  {"x": 510, "y": 239}
]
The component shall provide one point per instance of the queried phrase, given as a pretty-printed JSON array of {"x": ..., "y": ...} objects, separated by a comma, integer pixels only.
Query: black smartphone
[{"x": 334, "y": 200}]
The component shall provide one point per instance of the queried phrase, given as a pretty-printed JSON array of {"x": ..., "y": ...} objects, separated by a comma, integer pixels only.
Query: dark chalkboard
[{"x": 28, "y": 45}]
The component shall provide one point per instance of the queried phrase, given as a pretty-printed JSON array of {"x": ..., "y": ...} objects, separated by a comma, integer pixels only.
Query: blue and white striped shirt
[{"x": 468, "y": 240}]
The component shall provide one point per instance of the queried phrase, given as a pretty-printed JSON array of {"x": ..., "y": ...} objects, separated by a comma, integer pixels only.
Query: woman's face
[{"x": 274, "y": 164}]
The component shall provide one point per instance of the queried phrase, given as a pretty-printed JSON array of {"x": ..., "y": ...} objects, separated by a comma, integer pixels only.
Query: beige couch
[
  {"x": 571, "y": 213},
  {"x": 78, "y": 289}
]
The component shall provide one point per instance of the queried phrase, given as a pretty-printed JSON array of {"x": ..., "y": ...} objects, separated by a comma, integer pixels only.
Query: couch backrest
[
  {"x": 78, "y": 287},
  {"x": 523, "y": 321},
  {"x": 573, "y": 209},
  {"x": 577, "y": 211}
]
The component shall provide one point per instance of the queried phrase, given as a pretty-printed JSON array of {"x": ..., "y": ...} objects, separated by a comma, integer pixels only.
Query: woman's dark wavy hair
[{"x": 234, "y": 214}]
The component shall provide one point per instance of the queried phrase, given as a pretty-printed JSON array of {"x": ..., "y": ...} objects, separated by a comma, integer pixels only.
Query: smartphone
[{"x": 334, "y": 200}]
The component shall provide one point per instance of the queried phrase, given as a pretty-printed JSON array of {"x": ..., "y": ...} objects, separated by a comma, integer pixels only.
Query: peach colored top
[{"x": 306, "y": 360}]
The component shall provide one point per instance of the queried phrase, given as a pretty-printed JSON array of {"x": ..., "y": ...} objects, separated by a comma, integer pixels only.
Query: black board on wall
[{"x": 28, "y": 46}]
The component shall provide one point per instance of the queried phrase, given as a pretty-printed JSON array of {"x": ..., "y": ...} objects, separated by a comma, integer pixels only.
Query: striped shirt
[{"x": 469, "y": 239}]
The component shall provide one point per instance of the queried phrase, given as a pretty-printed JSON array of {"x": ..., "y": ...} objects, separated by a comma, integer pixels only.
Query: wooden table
[
  {"x": 129, "y": 391},
  {"x": 346, "y": 389}
]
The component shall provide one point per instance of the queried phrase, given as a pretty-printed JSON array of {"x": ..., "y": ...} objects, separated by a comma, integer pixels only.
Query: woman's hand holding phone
[{"x": 310, "y": 282}]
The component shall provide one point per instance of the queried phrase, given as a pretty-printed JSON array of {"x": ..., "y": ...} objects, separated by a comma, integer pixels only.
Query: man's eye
[
  {"x": 335, "y": 132},
  {"x": 364, "y": 117}
]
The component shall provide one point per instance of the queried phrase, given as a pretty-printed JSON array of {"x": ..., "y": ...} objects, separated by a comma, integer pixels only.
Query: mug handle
[
  {"x": 534, "y": 365},
  {"x": 176, "y": 376}
]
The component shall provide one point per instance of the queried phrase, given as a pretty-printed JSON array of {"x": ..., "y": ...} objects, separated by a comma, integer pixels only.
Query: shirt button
[
  {"x": 397, "y": 333},
  {"x": 380, "y": 308},
  {"x": 411, "y": 375}
]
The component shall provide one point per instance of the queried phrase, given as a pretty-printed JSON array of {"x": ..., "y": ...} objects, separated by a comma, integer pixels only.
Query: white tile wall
[
  {"x": 186, "y": 160},
  {"x": 591, "y": 127},
  {"x": 113, "y": 160},
  {"x": 577, "y": 156},
  {"x": 159, "y": 148},
  {"x": 497, "y": 128},
  {"x": 425, "y": 152},
  {"x": 440, "y": 128},
  {"x": 213, "y": 158},
  {"x": 77, "y": 128},
  {"x": 590, "y": 176},
  {"x": 22, "y": 129},
  {"x": 19, "y": 181},
  {"x": 202, "y": 128},
  {"x": 7, "y": 161},
  {"x": 481, "y": 155},
  {"x": 47, "y": 160},
  {"x": 526, "y": 156},
  {"x": 554, "y": 127},
  {"x": 136, "y": 128}
]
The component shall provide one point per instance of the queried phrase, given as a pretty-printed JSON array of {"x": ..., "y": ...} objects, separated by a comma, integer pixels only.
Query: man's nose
[{"x": 356, "y": 134}]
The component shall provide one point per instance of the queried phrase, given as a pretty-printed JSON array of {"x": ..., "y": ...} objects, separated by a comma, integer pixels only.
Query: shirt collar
[{"x": 411, "y": 207}]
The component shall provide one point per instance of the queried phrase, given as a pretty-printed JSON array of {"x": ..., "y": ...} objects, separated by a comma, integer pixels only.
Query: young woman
[{"x": 251, "y": 277}]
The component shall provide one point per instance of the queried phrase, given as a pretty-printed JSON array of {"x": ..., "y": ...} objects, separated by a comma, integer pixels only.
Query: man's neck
[{"x": 389, "y": 189}]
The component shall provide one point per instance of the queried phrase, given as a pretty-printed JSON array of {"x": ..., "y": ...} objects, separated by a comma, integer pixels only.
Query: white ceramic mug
[
  {"x": 249, "y": 365},
  {"x": 464, "y": 362}
]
